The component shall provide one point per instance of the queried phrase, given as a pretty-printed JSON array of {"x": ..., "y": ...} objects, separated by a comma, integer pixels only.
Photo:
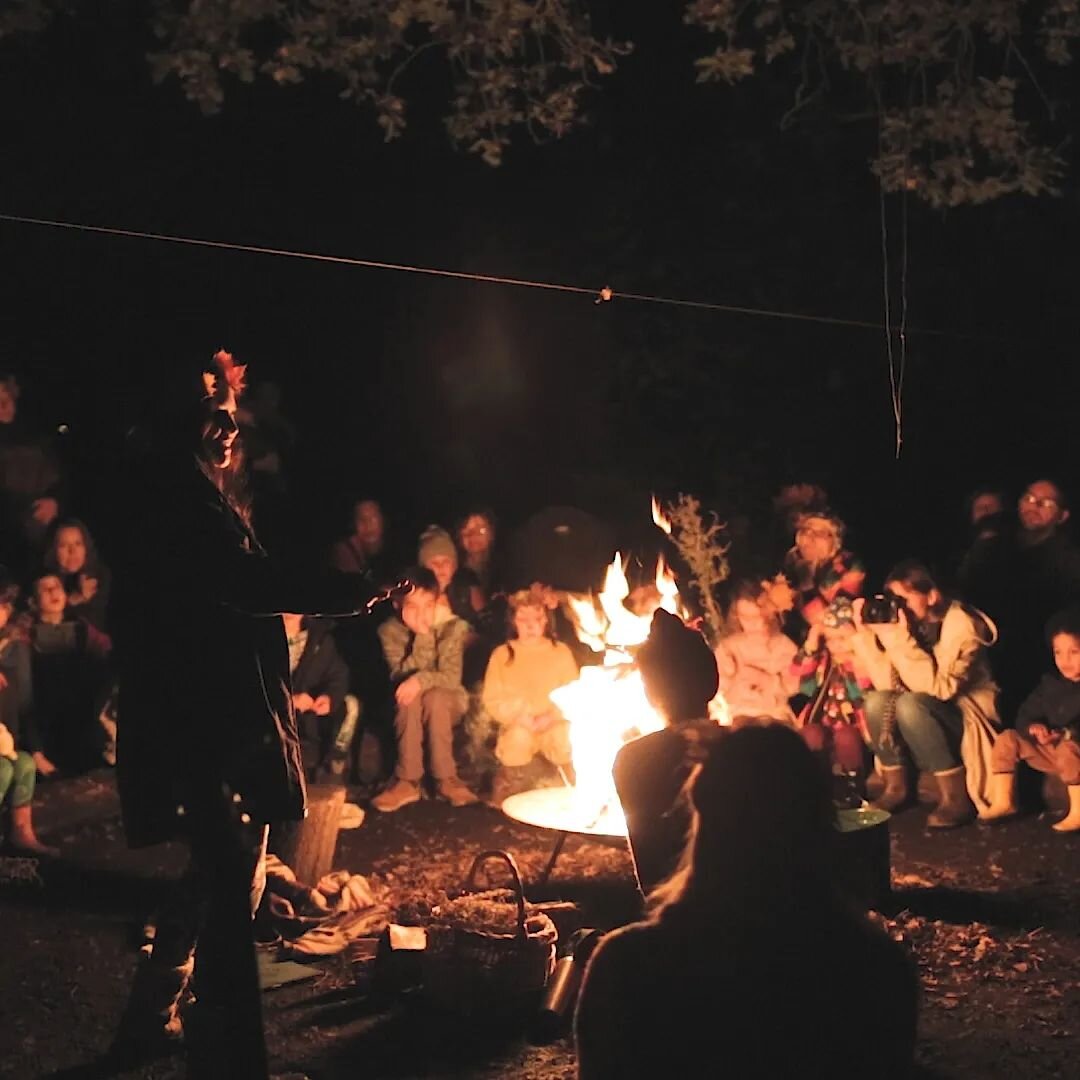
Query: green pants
[{"x": 19, "y": 775}]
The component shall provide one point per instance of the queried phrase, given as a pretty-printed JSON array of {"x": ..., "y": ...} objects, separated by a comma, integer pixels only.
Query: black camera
[{"x": 881, "y": 608}]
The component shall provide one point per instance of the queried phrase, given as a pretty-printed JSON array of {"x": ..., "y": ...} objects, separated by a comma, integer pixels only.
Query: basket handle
[{"x": 515, "y": 875}]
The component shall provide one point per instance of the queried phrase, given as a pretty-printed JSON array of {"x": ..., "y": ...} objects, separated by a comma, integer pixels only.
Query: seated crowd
[{"x": 949, "y": 678}]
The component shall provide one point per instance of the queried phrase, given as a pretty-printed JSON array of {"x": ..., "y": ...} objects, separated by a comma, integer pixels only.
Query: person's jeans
[{"x": 928, "y": 727}]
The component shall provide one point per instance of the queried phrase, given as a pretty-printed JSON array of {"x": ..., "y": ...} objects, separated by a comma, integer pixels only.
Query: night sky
[{"x": 430, "y": 392}]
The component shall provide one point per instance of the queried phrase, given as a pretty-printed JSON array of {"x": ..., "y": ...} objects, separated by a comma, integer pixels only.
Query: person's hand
[
  {"x": 857, "y": 606},
  {"x": 44, "y": 510},
  {"x": 408, "y": 691},
  {"x": 813, "y": 638},
  {"x": 1042, "y": 734},
  {"x": 3, "y": 681},
  {"x": 43, "y": 765},
  {"x": 321, "y": 705},
  {"x": 303, "y": 702},
  {"x": 88, "y": 587}
]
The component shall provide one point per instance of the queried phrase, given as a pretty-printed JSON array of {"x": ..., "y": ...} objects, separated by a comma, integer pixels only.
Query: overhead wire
[{"x": 600, "y": 295}]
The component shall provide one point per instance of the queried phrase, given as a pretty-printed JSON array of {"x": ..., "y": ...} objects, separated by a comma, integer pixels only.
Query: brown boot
[
  {"x": 23, "y": 838},
  {"x": 895, "y": 795},
  {"x": 954, "y": 807},
  {"x": 1002, "y": 798}
]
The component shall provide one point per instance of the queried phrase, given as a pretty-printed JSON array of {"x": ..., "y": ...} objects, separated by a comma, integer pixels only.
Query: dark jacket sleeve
[
  {"x": 218, "y": 559},
  {"x": 601, "y": 1016},
  {"x": 322, "y": 671},
  {"x": 1035, "y": 709}
]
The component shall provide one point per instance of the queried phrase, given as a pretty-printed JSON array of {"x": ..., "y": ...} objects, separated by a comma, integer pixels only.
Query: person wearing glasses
[
  {"x": 819, "y": 570},
  {"x": 1043, "y": 577}
]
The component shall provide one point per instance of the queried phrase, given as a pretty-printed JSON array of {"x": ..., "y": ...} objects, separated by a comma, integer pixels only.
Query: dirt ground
[{"x": 991, "y": 915}]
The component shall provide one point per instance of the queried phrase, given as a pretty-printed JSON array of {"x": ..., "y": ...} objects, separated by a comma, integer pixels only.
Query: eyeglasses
[
  {"x": 817, "y": 534},
  {"x": 476, "y": 530},
  {"x": 1043, "y": 503}
]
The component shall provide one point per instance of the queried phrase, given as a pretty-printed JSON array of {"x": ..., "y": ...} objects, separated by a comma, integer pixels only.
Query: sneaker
[
  {"x": 400, "y": 793},
  {"x": 455, "y": 792}
]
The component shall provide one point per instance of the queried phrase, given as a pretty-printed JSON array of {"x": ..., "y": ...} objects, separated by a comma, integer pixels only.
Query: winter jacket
[
  {"x": 1055, "y": 702},
  {"x": 650, "y": 776},
  {"x": 436, "y": 657},
  {"x": 957, "y": 669},
  {"x": 205, "y": 703},
  {"x": 320, "y": 671}
]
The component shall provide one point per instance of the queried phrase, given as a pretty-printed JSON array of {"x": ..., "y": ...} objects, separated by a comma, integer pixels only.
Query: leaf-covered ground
[{"x": 989, "y": 913}]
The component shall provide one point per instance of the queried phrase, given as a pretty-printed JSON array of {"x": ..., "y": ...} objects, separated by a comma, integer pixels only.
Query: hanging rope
[{"x": 601, "y": 295}]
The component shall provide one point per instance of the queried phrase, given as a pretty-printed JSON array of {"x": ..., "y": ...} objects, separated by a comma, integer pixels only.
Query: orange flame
[{"x": 660, "y": 519}]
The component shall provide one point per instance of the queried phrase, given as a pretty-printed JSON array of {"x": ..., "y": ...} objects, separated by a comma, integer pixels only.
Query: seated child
[
  {"x": 73, "y": 557},
  {"x": 68, "y": 662},
  {"x": 424, "y": 658},
  {"x": 18, "y": 770},
  {"x": 520, "y": 676},
  {"x": 320, "y": 681},
  {"x": 832, "y": 682},
  {"x": 1047, "y": 734},
  {"x": 755, "y": 659},
  {"x": 678, "y": 672}
]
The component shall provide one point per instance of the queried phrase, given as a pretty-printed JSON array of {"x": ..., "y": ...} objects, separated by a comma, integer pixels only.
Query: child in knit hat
[{"x": 459, "y": 590}]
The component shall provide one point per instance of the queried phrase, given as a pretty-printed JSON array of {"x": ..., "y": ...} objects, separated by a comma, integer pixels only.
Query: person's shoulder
[
  {"x": 392, "y": 629},
  {"x": 500, "y": 655},
  {"x": 454, "y": 628},
  {"x": 783, "y": 646},
  {"x": 620, "y": 950}
]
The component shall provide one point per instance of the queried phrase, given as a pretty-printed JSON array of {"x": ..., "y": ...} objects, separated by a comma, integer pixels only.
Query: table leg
[{"x": 555, "y": 853}]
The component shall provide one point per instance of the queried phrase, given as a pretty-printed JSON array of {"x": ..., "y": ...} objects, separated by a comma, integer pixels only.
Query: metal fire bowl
[{"x": 555, "y": 808}]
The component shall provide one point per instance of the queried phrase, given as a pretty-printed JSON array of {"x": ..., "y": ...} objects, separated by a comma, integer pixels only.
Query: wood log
[{"x": 308, "y": 846}]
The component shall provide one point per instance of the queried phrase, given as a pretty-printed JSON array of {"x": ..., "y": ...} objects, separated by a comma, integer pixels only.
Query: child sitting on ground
[
  {"x": 520, "y": 676},
  {"x": 70, "y": 675},
  {"x": 1047, "y": 734},
  {"x": 832, "y": 682},
  {"x": 18, "y": 769},
  {"x": 755, "y": 659},
  {"x": 424, "y": 658}
]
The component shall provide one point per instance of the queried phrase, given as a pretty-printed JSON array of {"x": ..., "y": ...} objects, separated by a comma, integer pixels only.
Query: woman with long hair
[
  {"x": 207, "y": 750},
  {"x": 73, "y": 556},
  {"x": 749, "y": 961}
]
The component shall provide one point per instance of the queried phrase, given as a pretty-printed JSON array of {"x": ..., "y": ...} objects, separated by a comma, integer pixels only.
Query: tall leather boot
[
  {"x": 895, "y": 795},
  {"x": 954, "y": 808}
]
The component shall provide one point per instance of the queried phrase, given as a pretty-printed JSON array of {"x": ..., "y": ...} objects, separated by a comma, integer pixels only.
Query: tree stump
[{"x": 308, "y": 846}]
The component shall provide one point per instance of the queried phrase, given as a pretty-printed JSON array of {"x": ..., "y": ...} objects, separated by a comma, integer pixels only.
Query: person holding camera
[{"x": 935, "y": 700}]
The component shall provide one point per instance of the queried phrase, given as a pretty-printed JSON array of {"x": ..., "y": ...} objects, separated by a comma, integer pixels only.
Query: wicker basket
[{"x": 470, "y": 971}]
